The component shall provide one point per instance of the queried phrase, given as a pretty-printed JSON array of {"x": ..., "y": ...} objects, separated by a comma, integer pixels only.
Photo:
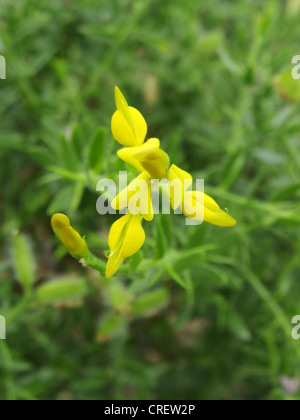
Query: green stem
[{"x": 94, "y": 262}]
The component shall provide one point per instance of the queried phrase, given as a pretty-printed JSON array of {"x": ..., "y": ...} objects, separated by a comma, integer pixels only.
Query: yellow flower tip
[
  {"x": 229, "y": 221},
  {"x": 155, "y": 161},
  {"x": 202, "y": 207},
  {"x": 177, "y": 173},
  {"x": 59, "y": 222},
  {"x": 71, "y": 239},
  {"x": 212, "y": 212},
  {"x": 149, "y": 216},
  {"x": 120, "y": 99},
  {"x": 74, "y": 243},
  {"x": 128, "y": 125},
  {"x": 113, "y": 265},
  {"x": 221, "y": 219}
]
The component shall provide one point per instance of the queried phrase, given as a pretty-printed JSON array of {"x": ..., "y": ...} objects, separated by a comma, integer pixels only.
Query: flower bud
[
  {"x": 59, "y": 222},
  {"x": 71, "y": 239}
]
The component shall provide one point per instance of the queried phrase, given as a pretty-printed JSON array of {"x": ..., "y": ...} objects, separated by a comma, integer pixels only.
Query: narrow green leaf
[
  {"x": 96, "y": 154},
  {"x": 150, "y": 303},
  {"x": 161, "y": 246},
  {"x": 62, "y": 291},
  {"x": 23, "y": 261},
  {"x": 68, "y": 154},
  {"x": 119, "y": 298},
  {"x": 111, "y": 326}
]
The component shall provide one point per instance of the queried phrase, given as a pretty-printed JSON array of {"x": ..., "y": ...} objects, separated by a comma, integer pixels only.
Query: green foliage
[
  {"x": 201, "y": 312},
  {"x": 63, "y": 292},
  {"x": 23, "y": 262}
]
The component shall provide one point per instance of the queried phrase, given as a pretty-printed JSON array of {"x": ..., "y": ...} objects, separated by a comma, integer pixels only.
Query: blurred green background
[{"x": 201, "y": 312}]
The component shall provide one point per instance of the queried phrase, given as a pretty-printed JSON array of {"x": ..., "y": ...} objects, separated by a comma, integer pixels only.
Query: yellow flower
[
  {"x": 128, "y": 154},
  {"x": 148, "y": 157},
  {"x": 136, "y": 197},
  {"x": 71, "y": 239},
  {"x": 202, "y": 207},
  {"x": 154, "y": 161},
  {"x": 195, "y": 204},
  {"x": 128, "y": 125},
  {"x": 126, "y": 237}
]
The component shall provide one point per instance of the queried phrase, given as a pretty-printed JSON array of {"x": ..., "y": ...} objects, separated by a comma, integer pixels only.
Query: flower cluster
[{"x": 127, "y": 235}]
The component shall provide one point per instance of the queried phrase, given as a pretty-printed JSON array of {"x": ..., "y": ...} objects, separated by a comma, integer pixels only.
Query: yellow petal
[
  {"x": 121, "y": 103},
  {"x": 71, "y": 239},
  {"x": 204, "y": 208},
  {"x": 128, "y": 125},
  {"x": 220, "y": 218},
  {"x": 154, "y": 161},
  {"x": 113, "y": 264},
  {"x": 121, "y": 201},
  {"x": 116, "y": 232},
  {"x": 192, "y": 208},
  {"x": 59, "y": 222},
  {"x": 147, "y": 210},
  {"x": 127, "y": 153},
  {"x": 134, "y": 238},
  {"x": 126, "y": 237},
  {"x": 74, "y": 243},
  {"x": 180, "y": 181},
  {"x": 141, "y": 201},
  {"x": 137, "y": 196}
]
